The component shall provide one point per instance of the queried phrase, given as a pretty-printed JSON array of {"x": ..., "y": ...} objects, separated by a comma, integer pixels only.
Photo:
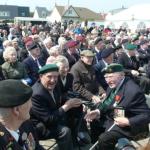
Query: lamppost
[{"x": 132, "y": 20}]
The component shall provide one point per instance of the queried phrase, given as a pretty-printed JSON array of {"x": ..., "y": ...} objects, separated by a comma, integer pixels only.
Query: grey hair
[
  {"x": 4, "y": 113},
  {"x": 54, "y": 49},
  {"x": 7, "y": 43},
  {"x": 47, "y": 40},
  {"x": 61, "y": 59},
  {"x": 7, "y": 52},
  {"x": 62, "y": 41}
]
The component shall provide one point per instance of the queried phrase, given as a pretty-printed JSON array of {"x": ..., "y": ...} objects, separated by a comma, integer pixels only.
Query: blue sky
[{"x": 95, "y": 5}]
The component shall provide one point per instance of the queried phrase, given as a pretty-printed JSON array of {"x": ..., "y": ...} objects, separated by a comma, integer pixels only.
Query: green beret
[
  {"x": 14, "y": 93},
  {"x": 114, "y": 67},
  {"x": 88, "y": 53},
  {"x": 48, "y": 68},
  {"x": 130, "y": 46}
]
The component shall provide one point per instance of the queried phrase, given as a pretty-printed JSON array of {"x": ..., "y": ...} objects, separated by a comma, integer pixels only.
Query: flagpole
[{"x": 68, "y": 2}]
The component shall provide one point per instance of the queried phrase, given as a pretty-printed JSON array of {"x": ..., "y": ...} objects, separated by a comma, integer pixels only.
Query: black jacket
[{"x": 133, "y": 102}]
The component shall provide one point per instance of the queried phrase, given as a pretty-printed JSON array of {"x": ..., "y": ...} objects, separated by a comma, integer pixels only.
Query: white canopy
[{"x": 137, "y": 12}]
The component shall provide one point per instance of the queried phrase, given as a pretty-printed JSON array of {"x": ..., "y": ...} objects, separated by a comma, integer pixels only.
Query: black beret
[
  {"x": 143, "y": 42},
  {"x": 48, "y": 68},
  {"x": 106, "y": 52},
  {"x": 112, "y": 68},
  {"x": 14, "y": 93},
  {"x": 97, "y": 40}
]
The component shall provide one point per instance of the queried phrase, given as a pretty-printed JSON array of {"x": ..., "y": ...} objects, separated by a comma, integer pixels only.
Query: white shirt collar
[{"x": 15, "y": 134}]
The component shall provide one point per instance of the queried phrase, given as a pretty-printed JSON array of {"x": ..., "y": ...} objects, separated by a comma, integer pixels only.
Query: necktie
[{"x": 37, "y": 63}]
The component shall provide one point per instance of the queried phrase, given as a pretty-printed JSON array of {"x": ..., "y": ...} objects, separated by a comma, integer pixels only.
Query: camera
[
  {"x": 124, "y": 144},
  {"x": 73, "y": 94}
]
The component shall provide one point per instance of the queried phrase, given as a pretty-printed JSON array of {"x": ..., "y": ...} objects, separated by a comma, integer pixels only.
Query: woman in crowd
[
  {"x": 53, "y": 53},
  {"x": 65, "y": 78},
  {"x": 12, "y": 68}
]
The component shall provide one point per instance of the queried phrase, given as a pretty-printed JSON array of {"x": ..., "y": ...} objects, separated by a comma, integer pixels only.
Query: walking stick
[{"x": 96, "y": 143}]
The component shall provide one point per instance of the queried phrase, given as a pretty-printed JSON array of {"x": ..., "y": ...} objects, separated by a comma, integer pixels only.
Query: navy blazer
[
  {"x": 32, "y": 68},
  {"x": 99, "y": 75},
  {"x": 136, "y": 109}
]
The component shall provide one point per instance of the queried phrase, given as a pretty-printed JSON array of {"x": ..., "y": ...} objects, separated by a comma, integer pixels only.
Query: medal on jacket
[{"x": 28, "y": 140}]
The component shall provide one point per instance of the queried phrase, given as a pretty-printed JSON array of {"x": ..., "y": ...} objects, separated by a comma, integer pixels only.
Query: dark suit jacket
[
  {"x": 32, "y": 68},
  {"x": 133, "y": 102},
  {"x": 144, "y": 56},
  {"x": 44, "y": 109},
  {"x": 99, "y": 75},
  {"x": 128, "y": 63},
  {"x": 98, "y": 55},
  {"x": 7, "y": 140},
  {"x": 68, "y": 85},
  {"x": 71, "y": 59}
]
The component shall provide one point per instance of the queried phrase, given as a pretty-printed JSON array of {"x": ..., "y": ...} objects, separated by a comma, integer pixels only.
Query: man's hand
[
  {"x": 95, "y": 114},
  {"x": 122, "y": 121},
  {"x": 135, "y": 72},
  {"x": 72, "y": 103},
  {"x": 95, "y": 99}
]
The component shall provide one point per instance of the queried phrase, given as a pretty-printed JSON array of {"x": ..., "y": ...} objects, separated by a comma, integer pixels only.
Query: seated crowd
[{"x": 59, "y": 84}]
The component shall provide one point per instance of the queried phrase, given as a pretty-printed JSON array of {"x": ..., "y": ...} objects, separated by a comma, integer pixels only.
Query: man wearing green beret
[
  {"x": 124, "y": 109},
  {"x": 16, "y": 133},
  {"x": 48, "y": 112},
  {"x": 129, "y": 60},
  {"x": 131, "y": 63}
]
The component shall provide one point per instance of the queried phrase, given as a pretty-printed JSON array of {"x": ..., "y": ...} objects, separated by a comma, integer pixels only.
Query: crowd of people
[{"x": 59, "y": 80}]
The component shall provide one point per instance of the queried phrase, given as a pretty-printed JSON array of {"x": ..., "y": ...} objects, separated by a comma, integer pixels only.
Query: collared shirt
[
  {"x": 37, "y": 61},
  {"x": 15, "y": 134},
  {"x": 52, "y": 94},
  {"x": 63, "y": 80}
]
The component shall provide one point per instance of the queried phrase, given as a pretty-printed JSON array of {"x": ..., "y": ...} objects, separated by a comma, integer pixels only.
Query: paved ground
[{"x": 48, "y": 143}]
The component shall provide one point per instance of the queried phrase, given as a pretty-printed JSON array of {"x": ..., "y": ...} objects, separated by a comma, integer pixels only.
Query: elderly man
[
  {"x": 48, "y": 113},
  {"x": 16, "y": 133},
  {"x": 71, "y": 53},
  {"x": 85, "y": 81},
  {"x": 33, "y": 62},
  {"x": 125, "y": 108}
]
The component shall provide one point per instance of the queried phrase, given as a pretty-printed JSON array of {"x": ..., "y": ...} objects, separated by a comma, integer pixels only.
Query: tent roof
[{"x": 137, "y": 12}]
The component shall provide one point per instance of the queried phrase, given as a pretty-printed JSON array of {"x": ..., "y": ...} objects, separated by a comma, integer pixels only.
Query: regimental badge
[
  {"x": 109, "y": 70},
  {"x": 1, "y": 133}
]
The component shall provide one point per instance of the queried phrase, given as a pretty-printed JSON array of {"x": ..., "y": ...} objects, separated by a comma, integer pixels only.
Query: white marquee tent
[{"x": 137, "y": 16}]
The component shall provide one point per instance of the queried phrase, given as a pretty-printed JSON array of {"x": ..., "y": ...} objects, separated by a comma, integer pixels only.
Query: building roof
[
  {"x": 115, "y": 11},
  {"x": 133, "y": 13},
  {"x": 83, "y": 13},
  {"x": 40, "y": 11}
]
